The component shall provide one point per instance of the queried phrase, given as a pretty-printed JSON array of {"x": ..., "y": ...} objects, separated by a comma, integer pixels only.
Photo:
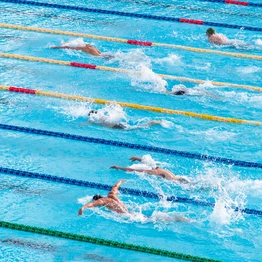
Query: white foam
[
  {"x": 206, "y": 84},
  {"x": 221, "y": 214},
  {"x": 147, "y": 159},
  {"x": 171, "y": 59},
  {"x": 110, "y": 114},
  {"x": 205, "y": 66},
  {"x": 84, "y": 200},
  {"x": 132, "y": 59},
  {"x": 249, "y": 69},
  {"x": 75, "y": 42},
  {"x": 179, "y": 87},
  {"x": 148, "y": 80},
  {"x": 166, "y": 124},
  {"x": 258, "y": 42},
  {"x": 76, "y": 110}
]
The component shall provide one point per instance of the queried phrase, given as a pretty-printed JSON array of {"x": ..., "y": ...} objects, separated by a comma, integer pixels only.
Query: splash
[
  {"x": 147, "y": 163},
  {"x": 226, "y": 192},
  {"x": 206, "y": 84},
  {"x": 84, "y": 200},
  {"x": 148, "y": 80},
  {"x": 76, "y": 110},
  {"x": 78, "y": 42},
  {"x": 171, "y": 59},
  {"x": 132, "y": 59},
  {"x": 111, "y": 114}
]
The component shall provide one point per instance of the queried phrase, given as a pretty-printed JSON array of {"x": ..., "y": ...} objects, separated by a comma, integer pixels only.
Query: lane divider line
[
  {"x": 126, "y": 71},
  {"x": 126, "y": 41},
  {"x": 130, "y": 191},
  {"x": 128, "y": 105},
  {"x": 149, "y": 148},
  {"x": 135, "y": 15},
  {"x": 233, "y": 2},
  {"x": 103, "y": 242}
]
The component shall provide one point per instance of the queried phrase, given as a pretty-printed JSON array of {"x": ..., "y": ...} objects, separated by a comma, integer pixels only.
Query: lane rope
[
  {"x": 103, "y": 242},
  {"x": 126, "y": 71},
  {"x": 128, "y": 105},
  {"x": 126, "y": 41},
  {"x": 87, "y": 139},
  {"x": 124, "y": 190},
  {"x": 187, "y": 8},
  {"x": 233, "y": 2},
  {"x": 135, "y": 15}
]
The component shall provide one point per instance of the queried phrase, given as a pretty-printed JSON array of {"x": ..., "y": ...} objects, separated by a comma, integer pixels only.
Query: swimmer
[
  {"x": 155, "y": 171},
  {"x": 181, "y": 90},
  {"x": 215, "y": 38},
  {"x": 220, "y": 39},
  {"x": 111, "y": 201},
  {"x": 102, "y": 121},
  {"x": 86, "y": 48}
]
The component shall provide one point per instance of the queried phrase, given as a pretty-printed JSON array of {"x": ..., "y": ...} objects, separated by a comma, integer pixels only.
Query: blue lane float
[
  {"x": 146, "y": 16},
  {"x": 130, "y": 191},
  {"x": 174, "y": 152}
]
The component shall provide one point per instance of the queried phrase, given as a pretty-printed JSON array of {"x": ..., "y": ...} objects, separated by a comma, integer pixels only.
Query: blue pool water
[{"x": 218, "y": 233}]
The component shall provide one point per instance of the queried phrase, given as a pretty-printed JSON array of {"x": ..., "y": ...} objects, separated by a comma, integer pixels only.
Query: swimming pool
[{"x": 217, "y": 233}]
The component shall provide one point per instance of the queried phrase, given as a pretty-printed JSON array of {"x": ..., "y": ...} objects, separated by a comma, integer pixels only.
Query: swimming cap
[
  {"x": 210, "y": 31},
  {"x": 92, "y": 112},
  {"x": 179, "y": 92},
  {"x": 96, "y": 197}
]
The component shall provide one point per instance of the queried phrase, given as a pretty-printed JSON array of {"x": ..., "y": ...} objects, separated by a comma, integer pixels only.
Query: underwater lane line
[
  {"x": 126, "y": 71},
  {"x": 129, "y": 105},
  {"x": 147, "y": 148},
  {"x": 103, "y": 242},
  {"x": 126, "y": 41},
  {"x": 130, "y": 191}
]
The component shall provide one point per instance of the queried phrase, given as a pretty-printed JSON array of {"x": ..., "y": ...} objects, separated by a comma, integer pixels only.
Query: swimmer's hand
[
  {"x": 134, "y": 158},
  {"x": 80, "y": 212},
  {"x": 114, "y": 167}
]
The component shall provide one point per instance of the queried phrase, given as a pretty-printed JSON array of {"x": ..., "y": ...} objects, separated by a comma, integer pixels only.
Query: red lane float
[
  {"x": 235, "y": 2},
  {"x": 191, "y": 21},
  {"x": 137, "y": 42},
  {"x": 75, "y": 64},
  {"x": 22, "y": 90}
]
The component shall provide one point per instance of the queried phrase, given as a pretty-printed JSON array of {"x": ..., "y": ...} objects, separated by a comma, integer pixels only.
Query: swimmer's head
[
  {"x": 96, "y": 197},
  {"x": 92, "y": 112},
  {"x": 210, "y": 31}
]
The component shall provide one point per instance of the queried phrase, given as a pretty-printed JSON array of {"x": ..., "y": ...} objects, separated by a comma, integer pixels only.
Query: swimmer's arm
[
  {"x": 127, "y": 169},
  {"x": 116, "y": 186},
  {"x": 90, "y": 205},
  {"x": 134, "y": 158},
  {"x": 59, "y": 47}
]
